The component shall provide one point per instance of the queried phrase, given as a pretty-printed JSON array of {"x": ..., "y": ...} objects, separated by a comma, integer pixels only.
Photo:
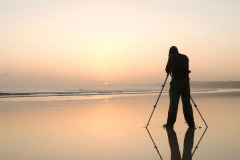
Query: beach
[
  {"x": 79, "y": 80},
  {"x": 113, "y": 127}
]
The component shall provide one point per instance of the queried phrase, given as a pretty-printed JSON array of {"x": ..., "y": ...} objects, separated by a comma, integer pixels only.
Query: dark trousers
[{"x": 180, "y": 88}]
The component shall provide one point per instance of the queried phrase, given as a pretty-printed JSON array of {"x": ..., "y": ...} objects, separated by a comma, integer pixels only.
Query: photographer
[{"x": 178, "y": 68}]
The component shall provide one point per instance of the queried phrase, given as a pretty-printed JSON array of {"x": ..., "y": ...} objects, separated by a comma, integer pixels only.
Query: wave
[{"x": 82, "y": 93}]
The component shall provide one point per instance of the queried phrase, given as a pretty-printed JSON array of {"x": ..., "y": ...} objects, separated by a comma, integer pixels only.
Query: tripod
[{"x": 154, "y": 107}]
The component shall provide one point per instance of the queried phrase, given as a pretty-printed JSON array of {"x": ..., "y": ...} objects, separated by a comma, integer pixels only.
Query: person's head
[{"x": 173, "y": 50}]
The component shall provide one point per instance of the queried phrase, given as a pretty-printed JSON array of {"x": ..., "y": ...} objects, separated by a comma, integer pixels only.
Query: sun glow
[{"x": 107, "y": 52}]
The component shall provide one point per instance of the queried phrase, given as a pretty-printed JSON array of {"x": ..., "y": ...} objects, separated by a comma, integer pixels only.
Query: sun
[{"x": 106, "y": 83}]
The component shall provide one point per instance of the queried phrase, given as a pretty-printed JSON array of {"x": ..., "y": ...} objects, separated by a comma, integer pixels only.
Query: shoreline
[{"x": 74, "y": 97}]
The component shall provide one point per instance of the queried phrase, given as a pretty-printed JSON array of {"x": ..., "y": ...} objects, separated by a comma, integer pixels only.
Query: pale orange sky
[{"x": 60, "y": 43}]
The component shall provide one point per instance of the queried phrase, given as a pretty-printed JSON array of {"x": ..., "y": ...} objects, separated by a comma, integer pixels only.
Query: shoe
[{"x": 166, "y": 125}]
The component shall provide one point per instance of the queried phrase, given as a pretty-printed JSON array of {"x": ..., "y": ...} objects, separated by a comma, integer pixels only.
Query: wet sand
[{"x": 112, "y": 128}]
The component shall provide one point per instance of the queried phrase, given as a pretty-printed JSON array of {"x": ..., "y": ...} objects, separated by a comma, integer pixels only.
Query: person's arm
[{"x": 168, "y": 68}]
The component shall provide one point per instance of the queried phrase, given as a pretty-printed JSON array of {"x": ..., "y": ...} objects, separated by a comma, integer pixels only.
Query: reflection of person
[
  {"x": 179, "y": 86},
  {"x": 188, "y": 144}
]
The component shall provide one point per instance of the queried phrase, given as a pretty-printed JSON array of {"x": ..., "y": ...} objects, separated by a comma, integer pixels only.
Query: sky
[{"x": 49, "y": 44}]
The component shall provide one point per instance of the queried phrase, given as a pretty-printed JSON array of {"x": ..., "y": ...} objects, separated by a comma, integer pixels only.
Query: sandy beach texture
[{"x": 112, "y": 128}]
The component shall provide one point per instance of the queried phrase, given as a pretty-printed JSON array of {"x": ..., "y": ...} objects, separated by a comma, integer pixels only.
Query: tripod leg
[
  {"x": 198, "y": 111},
  {"x": 157, "y": 100},
  {"x": 151, "y": 116}
]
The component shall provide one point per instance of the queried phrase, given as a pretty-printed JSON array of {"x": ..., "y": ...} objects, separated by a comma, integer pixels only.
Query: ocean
[{"x": 80, "y": 94}]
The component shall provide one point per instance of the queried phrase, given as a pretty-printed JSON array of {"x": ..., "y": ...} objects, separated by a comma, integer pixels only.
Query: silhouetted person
[
  {"x": 178, "y": 67},
  {"x": 188, "y": 144}
]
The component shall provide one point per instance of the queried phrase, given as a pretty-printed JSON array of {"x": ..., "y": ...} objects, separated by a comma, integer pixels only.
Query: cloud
[{"x": 4, "y": 75}]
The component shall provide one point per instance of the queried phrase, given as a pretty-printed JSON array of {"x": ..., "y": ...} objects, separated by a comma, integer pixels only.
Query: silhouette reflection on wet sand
[
  {"x": 155, "y": 146},
  {"x": 199, "y": 141},
  {"x": 174, "y": 147},
  {"x": 188, "y": 144}
]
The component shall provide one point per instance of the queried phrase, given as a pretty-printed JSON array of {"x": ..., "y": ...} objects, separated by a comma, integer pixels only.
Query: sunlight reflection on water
[{"x": 113, "y": 128}]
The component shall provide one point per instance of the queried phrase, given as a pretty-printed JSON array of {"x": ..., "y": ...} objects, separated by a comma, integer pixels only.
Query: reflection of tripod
[
  {"x": 199, "y": 141},
  {"x": 155, "y": 146},
  {"x": 173, "y": 143}
]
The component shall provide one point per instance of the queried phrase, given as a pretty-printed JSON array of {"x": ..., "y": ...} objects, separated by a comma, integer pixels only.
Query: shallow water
[{"x": 113, "y": 128}]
